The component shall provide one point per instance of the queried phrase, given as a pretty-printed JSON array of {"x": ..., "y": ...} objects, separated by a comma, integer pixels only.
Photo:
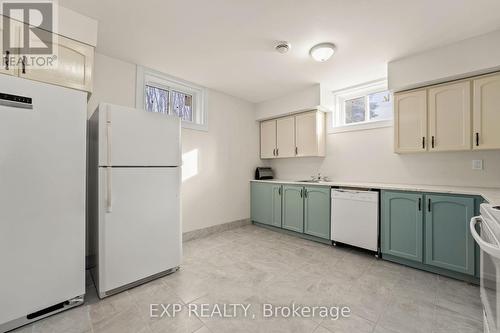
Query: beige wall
[
  {"x": 473, "y": 56},
  {"x": 219, "y": 162},
  {"x": 367, "y": 156}
]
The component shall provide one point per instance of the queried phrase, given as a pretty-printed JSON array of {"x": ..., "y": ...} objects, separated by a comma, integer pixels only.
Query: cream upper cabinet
[
  {"x": 410, "y": 121},
  {"x": 450, "y": 117},
  {"x": 299, "y": 135},
  {"x": 72, "y": 68},
  {"x": 285, "y": 137},
  {"x": 310, "y": 134},
  {"x": 486, "y": 112},
  {"x": 7, "y": 53},
  {"x": 268, "y": 139}
]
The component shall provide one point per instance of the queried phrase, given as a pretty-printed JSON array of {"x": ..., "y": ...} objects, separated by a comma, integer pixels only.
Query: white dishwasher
[{"x": 355, "y": 218}]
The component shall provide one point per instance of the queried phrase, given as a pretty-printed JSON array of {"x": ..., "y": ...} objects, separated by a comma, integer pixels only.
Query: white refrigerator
[
  {"x": 42, "y": 200},
  {"x": 133, "y": 196}
]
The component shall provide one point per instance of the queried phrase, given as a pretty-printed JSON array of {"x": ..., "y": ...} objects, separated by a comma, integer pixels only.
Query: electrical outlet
[{"x": 477, "y": 165}]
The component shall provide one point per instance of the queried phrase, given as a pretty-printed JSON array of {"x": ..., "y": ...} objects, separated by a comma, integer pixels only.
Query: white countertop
[{"x": 490, "y": 194}]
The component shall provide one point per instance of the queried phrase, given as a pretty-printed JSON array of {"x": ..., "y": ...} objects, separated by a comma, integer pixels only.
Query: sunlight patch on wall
[{"x": 189, "y": 164}]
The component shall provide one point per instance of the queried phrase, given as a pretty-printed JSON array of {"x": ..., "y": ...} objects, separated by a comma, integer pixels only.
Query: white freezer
[{"x": 42, "y": 199}]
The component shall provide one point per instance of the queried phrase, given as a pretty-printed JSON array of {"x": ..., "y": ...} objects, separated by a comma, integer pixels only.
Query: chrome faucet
[{"x": 320, "y": 178}]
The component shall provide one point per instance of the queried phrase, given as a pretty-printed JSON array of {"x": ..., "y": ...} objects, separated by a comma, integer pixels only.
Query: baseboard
[{"x": 200, "y": 233}]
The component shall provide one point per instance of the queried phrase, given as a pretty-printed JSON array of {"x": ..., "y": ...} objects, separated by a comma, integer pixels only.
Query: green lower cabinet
[
  {"x": 261, "y": 195},
  {"x": 402, "y": 225},
  {"x": 317, "y": 211},
  {"x": 430, "y": 231},
  {"x": 276, "y": 205},
  {"x": 448, "y": 241},
  {"x": 266, "y": 203},
  {"x": 293, "y": 208}
]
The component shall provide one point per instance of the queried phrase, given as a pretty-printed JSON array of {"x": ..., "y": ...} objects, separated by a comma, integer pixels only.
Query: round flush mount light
[
  {"x": 322, "y": 52},
  {"x": 283, "y": 47}
]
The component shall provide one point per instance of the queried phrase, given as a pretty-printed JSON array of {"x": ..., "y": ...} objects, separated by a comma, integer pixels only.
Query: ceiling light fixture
[
  {"x": 322, "y": 52},
  {"x": 283, "y": 47}
]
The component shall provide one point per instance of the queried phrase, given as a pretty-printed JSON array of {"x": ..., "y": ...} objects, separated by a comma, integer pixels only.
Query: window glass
[
  {"x": 156, "y": 99},
  {"x": 380, "y": 106},
  {"x": 355, "y": 110},
  {"x": 182, "y": 105}
]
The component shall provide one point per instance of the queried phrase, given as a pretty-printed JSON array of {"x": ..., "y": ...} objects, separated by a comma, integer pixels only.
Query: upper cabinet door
[
  {"x": 450, "y": 117},
  {"x": 7, "y": 53},
  {"x": 410, "y": 122},
  {"x": 268, "y": 139},
  {"x": 310, "y": 134},
  {"x": 72, "y": 68},
  {"x": 285, "y": 137},
  {"x": 486, "y": 113}
]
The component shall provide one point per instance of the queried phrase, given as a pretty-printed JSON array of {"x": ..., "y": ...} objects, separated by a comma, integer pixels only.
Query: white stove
[{"x": 486, "y": 231}]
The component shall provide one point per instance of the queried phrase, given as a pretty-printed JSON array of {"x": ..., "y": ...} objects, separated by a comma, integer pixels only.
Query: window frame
[
  {"x": 146, "y": 76},
  {"x": 336, "y": 121}
]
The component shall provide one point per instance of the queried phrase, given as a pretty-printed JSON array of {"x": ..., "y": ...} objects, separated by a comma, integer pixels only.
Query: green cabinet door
[
  {"x": 293, "y": 208},
  {"x": 448, "y": 241},
  {"x": 402, "y": 225},
  {"x": 276, "y": 205},
  {"x": 317, "y": 211},
  {"x": 261, "y": 198}
]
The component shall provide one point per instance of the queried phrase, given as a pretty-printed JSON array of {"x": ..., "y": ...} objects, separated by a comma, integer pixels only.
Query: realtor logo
[
  {"x": 35, "y": 37},
  {"x": 29, "y": 33}
]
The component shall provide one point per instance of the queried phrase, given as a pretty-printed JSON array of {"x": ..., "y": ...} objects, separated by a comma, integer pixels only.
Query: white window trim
[
  {"x": 146, "y": 76},
  {"x": 340, "y": 96}
]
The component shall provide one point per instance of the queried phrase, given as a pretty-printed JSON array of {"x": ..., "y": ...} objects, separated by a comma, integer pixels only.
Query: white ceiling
[{"x": 228, "y": 45}]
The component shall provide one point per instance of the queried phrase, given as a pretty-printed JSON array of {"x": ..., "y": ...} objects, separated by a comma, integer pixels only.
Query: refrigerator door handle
[
  {"x": 109, "y": 190},
  {"x": 109, "y": 203},
  {"x": 108, "y": 136}
]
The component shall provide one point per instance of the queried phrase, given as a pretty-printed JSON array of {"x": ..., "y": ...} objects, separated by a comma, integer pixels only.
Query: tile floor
[{"x": 254, "y": 265}]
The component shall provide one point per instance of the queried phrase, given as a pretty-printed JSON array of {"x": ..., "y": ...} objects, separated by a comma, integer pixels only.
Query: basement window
[
  {"x": 157, "y": 92},
  {"x": 362, "y": 107}
]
